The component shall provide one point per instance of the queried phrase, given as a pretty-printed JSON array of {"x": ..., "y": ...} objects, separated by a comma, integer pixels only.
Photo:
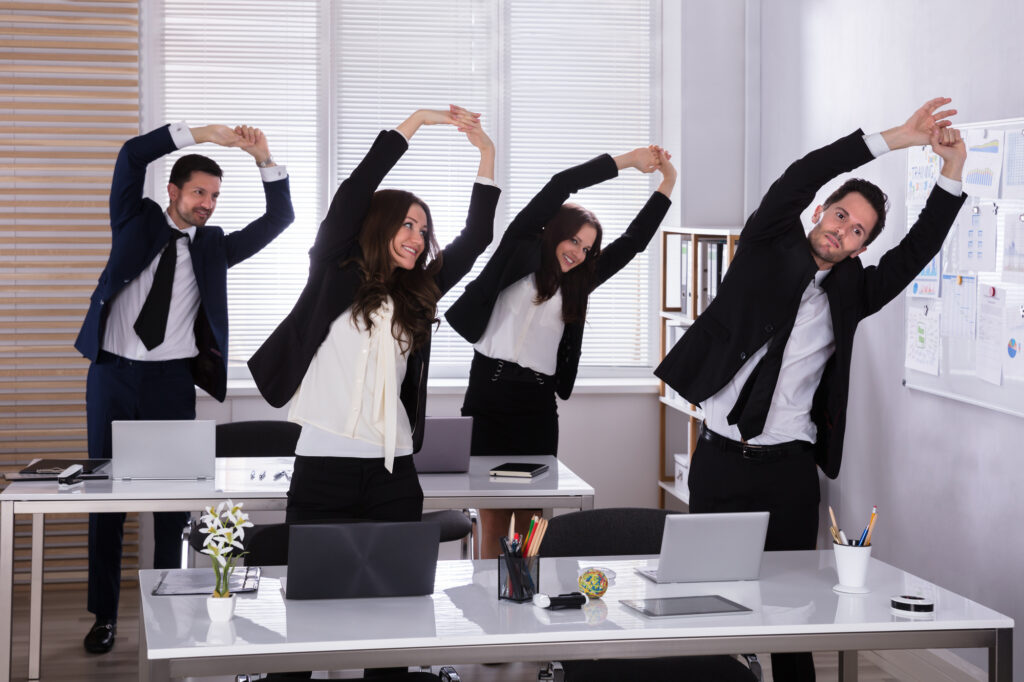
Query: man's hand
[
  {"x": 949, "y": 145},
  {"x": 217, "y": 134},
  {"x": 918, "y": 129},
  {"x": 254, "y": 142}
]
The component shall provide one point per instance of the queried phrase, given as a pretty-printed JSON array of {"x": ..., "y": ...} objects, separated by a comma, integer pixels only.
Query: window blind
[
  {"x": 257, "y": 63},
  {"x": 579, "y": 84},
  {"x": 556, "y": 84},
  {"x": 69, "y": 80}
]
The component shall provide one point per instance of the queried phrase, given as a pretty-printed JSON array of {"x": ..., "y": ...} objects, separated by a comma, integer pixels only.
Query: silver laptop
[
  {"x": 710, "y": 548},
  {"x": 164, "y": 450},
  {"x": 446, "y": 442}
]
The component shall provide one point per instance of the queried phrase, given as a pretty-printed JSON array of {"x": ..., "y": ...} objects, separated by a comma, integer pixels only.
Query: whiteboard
[{"x": 964, "y": 316}]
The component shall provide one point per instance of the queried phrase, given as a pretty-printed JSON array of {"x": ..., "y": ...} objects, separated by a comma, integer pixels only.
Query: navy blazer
[
  {"x": 280, "y": 364},
  {"x": 140, "y": 231},
  {"x": 519, "y": 254},
  {"x": 770, "y": 271}
]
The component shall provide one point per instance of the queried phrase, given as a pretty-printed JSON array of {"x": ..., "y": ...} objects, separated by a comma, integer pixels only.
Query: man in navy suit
[{"x": 157, "y": 324}]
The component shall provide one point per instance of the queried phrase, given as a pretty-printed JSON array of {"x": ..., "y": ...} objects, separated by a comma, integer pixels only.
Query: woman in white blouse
[
  {"x": 525, "y": 312},
  {"x": 353, "y": 354}
]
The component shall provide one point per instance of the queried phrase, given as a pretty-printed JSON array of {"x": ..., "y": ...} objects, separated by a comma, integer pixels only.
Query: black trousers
[
  {"x": 118, "y": 388},
  {"x": 344, "y": 488},
  {"x": 513, "y": 409},
  {"x": 723, "y": 480}
]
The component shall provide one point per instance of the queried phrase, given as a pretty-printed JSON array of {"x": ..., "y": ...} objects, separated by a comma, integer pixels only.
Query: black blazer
[
  {"x": 139, "y": 232},
  {"x": 281, "y": 362},
  {"x": 772, "y": 267},
  {"x": 519, "y": 253}
]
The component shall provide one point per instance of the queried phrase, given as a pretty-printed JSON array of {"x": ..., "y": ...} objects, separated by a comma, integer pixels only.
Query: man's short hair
[
  {"x": 870, "y": 191},
  {"x": 183, "y": 168}
]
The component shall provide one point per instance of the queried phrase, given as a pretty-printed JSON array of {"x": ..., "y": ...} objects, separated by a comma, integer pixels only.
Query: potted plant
[{"x": 225, "y": 529}]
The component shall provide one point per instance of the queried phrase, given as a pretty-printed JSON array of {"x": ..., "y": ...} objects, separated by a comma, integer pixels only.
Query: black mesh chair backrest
[
  {"x": 257, "y": 439},
  {"x": 267, "y": 545},
  {"x": 605, "y": 532}
]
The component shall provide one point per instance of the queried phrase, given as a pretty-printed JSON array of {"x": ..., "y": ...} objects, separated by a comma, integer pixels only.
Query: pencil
[
  {"x": 512, "y": 527},
  {"x": 535, "y": 545},
  {"x": 871, "y": 527},
  {"x": 832, "y": 514}
]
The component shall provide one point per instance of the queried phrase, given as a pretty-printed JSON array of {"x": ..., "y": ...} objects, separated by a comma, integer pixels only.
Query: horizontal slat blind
[
  {"x": 257, "y": 63},
  {"x": 69, "y": 77},
  {"x": 579, "y": 84},
  {"x": 391, "y": 58}
]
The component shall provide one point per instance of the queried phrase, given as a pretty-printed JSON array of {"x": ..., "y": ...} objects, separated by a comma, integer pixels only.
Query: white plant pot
[{"x": 221, "y": 609}]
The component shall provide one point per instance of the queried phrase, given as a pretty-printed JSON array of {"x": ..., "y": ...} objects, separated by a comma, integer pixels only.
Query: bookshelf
[{"x": 693, "y": 263}]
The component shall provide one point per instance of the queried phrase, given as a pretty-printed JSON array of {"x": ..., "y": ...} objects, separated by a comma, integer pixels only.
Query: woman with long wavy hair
[
  {"x": 525, "y": 313},
  {"x": 352, "y": 355}
]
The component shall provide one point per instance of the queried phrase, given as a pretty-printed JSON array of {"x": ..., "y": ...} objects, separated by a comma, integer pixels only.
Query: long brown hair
[
  {"x": 414, "y": 292},
  {"x": 576, "y": 284}
]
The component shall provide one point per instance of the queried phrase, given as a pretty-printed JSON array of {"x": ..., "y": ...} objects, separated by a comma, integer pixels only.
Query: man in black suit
[
  {"x": 157, "y": 324},
  {"x": 769, "y": 359}
]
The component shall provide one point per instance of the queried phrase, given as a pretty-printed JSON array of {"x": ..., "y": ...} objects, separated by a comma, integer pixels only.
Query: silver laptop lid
[
  {"x": 712, "y": 547},
  {"x": 446, "y": 443},
  {"x": 164, "y": 450}
]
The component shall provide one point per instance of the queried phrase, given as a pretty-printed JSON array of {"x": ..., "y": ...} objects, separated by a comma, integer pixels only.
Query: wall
[{"x": 946, "y": 476}]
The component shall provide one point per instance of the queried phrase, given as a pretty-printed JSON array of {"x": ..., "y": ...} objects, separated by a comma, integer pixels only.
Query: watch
[{"x": 266, "y": 163}]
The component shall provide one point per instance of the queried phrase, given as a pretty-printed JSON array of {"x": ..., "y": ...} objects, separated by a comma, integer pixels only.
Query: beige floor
[{"x": 65, "y": 622}]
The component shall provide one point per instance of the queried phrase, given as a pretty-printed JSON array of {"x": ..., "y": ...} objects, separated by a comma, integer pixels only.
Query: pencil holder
[{"x": 518, "y": 577}]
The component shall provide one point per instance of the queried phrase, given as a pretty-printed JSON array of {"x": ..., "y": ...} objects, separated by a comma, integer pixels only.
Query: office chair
[
  {"x": 263, "y": 438},
  {"x": 268, "y": 546},
  {"x": 624, "y": 531}
]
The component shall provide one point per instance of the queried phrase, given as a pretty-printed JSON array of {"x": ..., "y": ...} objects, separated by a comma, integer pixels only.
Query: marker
[{"x": 842, "y": 536}]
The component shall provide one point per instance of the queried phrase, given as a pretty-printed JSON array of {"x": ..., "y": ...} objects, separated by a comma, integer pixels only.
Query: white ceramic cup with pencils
[{"x": 852, "y": 566}]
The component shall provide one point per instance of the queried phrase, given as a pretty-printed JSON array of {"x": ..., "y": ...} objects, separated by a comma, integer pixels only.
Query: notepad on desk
[
  {"x": 203, "y": 581},
  {"x": 519, "y": 469},
  {"x": 49, "y": 469}
]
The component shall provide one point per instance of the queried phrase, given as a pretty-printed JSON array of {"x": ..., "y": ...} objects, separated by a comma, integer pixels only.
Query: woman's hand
[
  {"x": 644, "y": 159},
  {"x": 668, "y": 171}
]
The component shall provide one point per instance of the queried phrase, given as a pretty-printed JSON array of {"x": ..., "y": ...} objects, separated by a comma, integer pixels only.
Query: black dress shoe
[{"x": 100, "y": 639}]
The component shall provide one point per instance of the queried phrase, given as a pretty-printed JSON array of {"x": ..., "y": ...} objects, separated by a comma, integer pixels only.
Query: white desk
[
  {"x": 255, "y": 481},
  {"x": 794, "y": 609}
]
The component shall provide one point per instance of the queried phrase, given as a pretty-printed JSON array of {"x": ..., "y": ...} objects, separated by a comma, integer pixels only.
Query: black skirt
[{"x": 513, "y": 409}]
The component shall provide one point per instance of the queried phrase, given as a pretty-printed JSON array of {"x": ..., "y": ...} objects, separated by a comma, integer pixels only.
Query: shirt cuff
[
  {"x": 481, "y": 180},
  {"x": 954, "y": 187},
  {"x": 274, "y": 173},
  {"x": 876, "y": 144},
  {"x": 400, "y": 133},
  {"x": 181, "y": 135}
]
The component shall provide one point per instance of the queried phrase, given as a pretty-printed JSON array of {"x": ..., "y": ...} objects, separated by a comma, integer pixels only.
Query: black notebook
[
  {"x": 519, "y": 469},
  {"x": 49, "y": 469}
]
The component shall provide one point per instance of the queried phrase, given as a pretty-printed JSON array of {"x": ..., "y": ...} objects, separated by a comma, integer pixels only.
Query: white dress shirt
[
  {"x": 522, "y": 331},
  {"x": 179, "y": 342},
  {"x": 809, "y": 347},
  {"x": 348, "y": 403}
]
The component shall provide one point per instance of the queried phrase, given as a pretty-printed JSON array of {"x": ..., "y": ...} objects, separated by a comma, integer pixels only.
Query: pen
[{"x": 864, "y": 535}]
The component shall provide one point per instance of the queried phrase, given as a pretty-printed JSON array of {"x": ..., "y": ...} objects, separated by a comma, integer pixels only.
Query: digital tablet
[
  {"x": 699, "y": 605},
  {"x": 519, "y": 469}
]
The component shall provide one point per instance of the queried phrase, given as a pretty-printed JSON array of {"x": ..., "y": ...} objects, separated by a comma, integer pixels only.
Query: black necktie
[
  {"x": 755, "y": 399},
  {"x": 151, "y": 324}
]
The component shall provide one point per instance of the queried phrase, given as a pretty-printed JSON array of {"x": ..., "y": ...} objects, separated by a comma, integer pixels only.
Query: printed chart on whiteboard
[{"x": 965, "y": 311}]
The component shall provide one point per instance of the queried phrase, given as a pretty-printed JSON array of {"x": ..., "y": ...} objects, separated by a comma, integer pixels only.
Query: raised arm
[
  {"x": 638, "y": 235},
  {"x": 458, "y": 256},
  {"x": 242, "y": 244},
  {"x": 899, "y": 265}
]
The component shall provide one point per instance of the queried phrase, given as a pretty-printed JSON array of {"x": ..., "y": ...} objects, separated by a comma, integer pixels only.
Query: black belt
[
  {"x": 504, "y": 370},
  {"x": 761, "y": 453},
  {"x": 106, "y": 357}
]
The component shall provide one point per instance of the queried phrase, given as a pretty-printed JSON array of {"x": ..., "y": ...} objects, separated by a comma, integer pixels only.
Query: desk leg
[
  {"x": 6, "y": 587},
  {"x": 35, "y": 619},
  {"x": 149, "y": 671},
  {"x": 1000, "y": 657},
  {"x": 847, "y": 666}
]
